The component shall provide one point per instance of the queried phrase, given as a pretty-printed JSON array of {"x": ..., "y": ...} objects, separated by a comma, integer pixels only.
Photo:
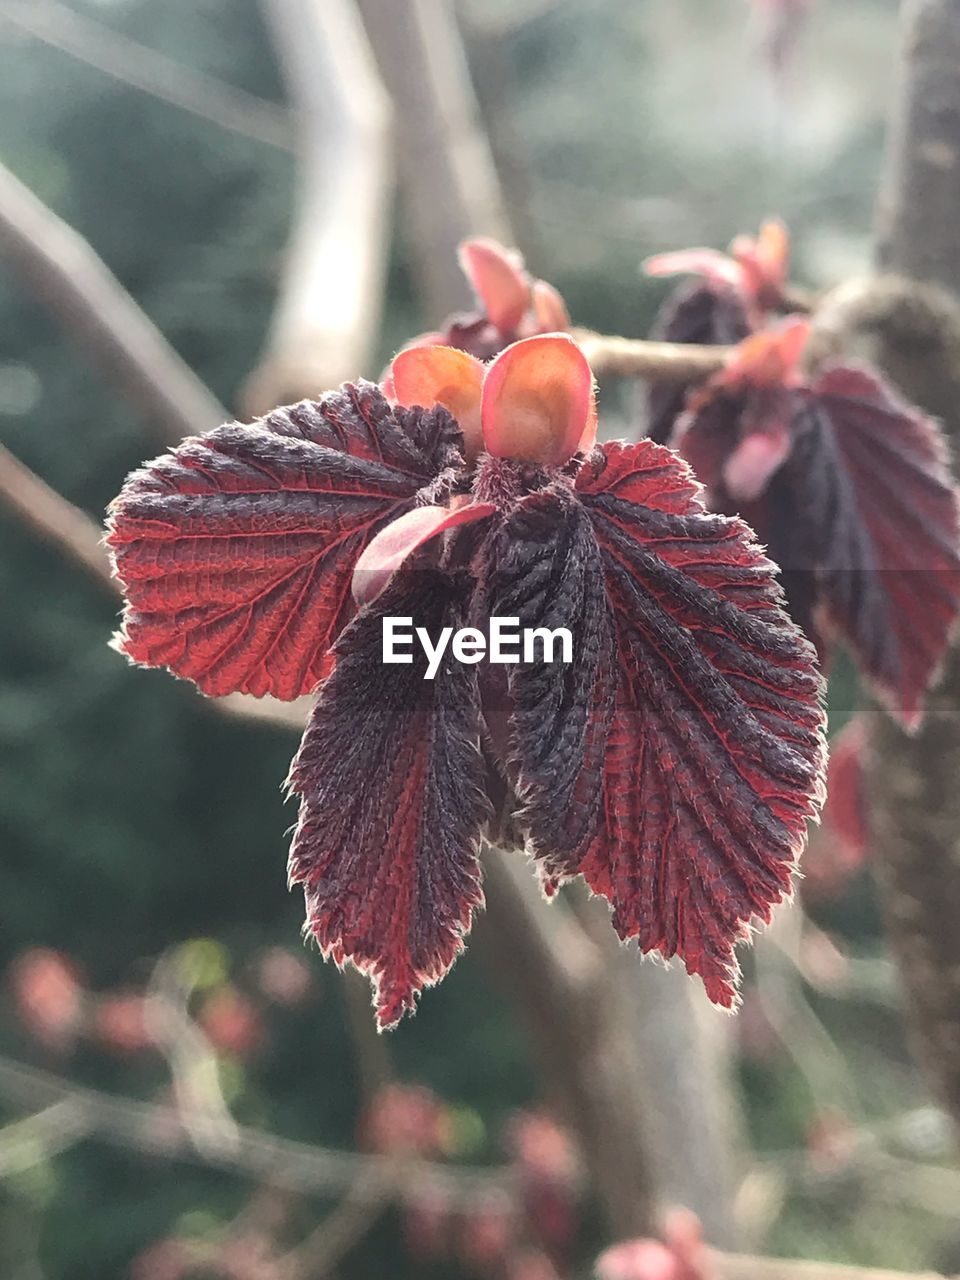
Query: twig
[
  {"x": 324, "y": 1247},
  {"x": 639, "y": 358},
  {"x": 192, "y": 1059},
  {"x": 61, "y": 269},
  {"x": 134, "y": 64},
  {"x": 54, "y": 519},
  {"x": 804, "y": 1036},
  {"x": 331, "y": 295},
  {"x": 156, "y": 1129},
  {"x": 27, "y": 1142}
]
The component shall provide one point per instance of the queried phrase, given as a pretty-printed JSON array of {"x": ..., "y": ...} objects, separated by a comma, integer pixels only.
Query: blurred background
[{"x": 230, "y": 163}]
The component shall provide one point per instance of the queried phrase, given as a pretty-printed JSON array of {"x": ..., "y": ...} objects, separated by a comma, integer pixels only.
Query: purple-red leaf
[
  {"x": 861, "y": 514},
  {"x": 700, "y": 312},
  {"x": 546, "y": 572},
  {"x": 391, "y": 782},
  {"x": 878, "y": 506},
  {"x": 715, "y": 755},
  {"x": 236, "y": 550}
]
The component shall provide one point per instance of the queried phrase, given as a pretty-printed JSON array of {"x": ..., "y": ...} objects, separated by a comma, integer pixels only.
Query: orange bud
[
  {"x": 499, "y": 281},
  {"x": 538, "y": 401},
  {"x": 442, "y": 375}
]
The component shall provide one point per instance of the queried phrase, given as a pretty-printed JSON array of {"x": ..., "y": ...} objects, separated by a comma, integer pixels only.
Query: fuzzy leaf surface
[
  {"x": 715, "y": 756},
  {"x": 236, "y": 549},
  {"x": 391, "y": 781}
]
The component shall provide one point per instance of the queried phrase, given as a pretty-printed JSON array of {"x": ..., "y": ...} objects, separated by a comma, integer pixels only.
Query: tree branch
[
  {"x": 658, "y": 361},
  {"x": 157, "y": 1129},
  {"x": 568, "y": 1003},
  {"x": 917, "y": 212},
  {"x": 60, "y": 269},
  {"x": 914, "y": 332},
  {"x": 54, "y": 519},
  {"x": 134, "y": 64},
  {"x": 328, "y": 312},
  {"x": 450, "y": 185}
]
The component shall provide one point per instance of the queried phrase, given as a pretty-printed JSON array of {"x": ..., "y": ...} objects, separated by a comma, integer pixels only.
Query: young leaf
[
  {"x": 860, "y": 512},
  {"x": 715, "y": 754},
  {"x": 236, "y": 550},
  {"x": 547, "y": 574},
  {"x": 391, "y": 782},
  {"x": 700, "y": 312},
  {"x": 876, "y": 503}
]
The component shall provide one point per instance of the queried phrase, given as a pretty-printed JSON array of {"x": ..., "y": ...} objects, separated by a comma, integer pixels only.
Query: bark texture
[
  {"x": 916, "y": 797},
  {"x": 912, "y": 330}
]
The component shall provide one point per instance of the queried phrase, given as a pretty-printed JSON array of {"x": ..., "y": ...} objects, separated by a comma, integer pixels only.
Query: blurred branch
[
  {"x": 116, "y": 55},
  {"x": 156, "y": 1129},
  {"x": 450, "y": 184},
  {"x": 352, "y": 1218},
  {"x": 688, "y": 1087},
  {"x": 740, "y": 1266},
  {"x": 917, "y": 211},
  {"x": 36, "y": 1138},
  {"x": 639, "y": 358},
  {"x": 328, "y": 312},
  {"x": 368, "y": 1181},
  {"x": 779, "y": 987},
  {"x": 915, "y": 803},
  {"x": 193, "y": 1062},
  {"x": 568, "y": 1003},
  {"x": 54, "y": 519},
  {"x": 60, "y": 269}
]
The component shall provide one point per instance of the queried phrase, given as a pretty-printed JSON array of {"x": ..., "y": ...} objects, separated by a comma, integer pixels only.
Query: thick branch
[
  {"x": 561, "y": 984},
  {"x": 450, "y": 186},
  {"x": 917, "y": 217},
  {"x": 916, "y": 806},
  {"x": 60, "y": 269},
  {"x": 328, "y": 312},
  {"x": 912, "y": 330}
]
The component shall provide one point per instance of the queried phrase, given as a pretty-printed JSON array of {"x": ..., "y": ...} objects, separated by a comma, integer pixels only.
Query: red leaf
[
  {"x": 538, "y": 401},
  {"x": 715, "y": 756},
  {"x": 841, "y": 844},
  {"x": 695, "y": 312},
  {"x": 861, "y": 515},
  {"x": 736, "y": 444},
  {"x": 845, "y": 812},
  {"x": 546, "y": 572},
  {"x": 392, "y": 805},
  {"x": 877, "y": 503},
  {"x": 429, "y": 375},
  {"x": 236, "y": 550}
]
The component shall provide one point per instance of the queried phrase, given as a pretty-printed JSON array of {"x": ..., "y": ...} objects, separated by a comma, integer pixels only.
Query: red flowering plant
[
  {"x": 728, "y": 296},
  {"x": 848, "y": 487},
  {"x": 675, "y": 760},
  {"x": 510, "y": 303}
]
